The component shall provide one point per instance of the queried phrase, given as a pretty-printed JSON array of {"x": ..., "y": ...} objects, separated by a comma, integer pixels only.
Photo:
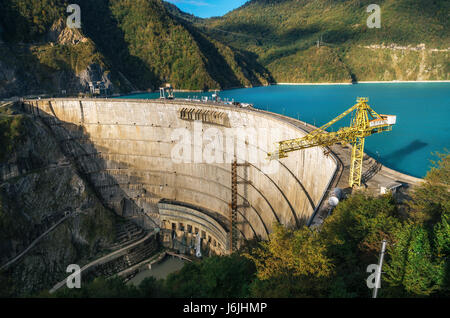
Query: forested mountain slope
[
  {"x": 131, "y": 45},
  {"x": 412, "y": 43}
]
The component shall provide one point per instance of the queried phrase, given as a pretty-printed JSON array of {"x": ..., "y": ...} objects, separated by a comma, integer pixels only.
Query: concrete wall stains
[{"x": 125, "y": 147}]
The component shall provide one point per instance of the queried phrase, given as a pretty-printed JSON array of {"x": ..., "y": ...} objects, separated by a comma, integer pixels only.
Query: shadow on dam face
[
  {"x": 122, "y": 149},
  {"x": 75, "y": 144}
]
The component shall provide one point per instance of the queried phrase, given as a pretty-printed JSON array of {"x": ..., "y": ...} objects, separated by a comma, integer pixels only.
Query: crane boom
[{"x": 364, "y": 122}]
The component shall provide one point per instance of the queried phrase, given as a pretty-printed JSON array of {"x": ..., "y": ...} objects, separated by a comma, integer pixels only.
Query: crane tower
[{"x": 364, "y": 122}]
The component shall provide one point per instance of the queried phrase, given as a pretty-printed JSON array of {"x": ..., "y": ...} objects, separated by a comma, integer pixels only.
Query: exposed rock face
[
  {"x": 16, "y": 79},
  {"x": 39, "y": 69},
  {"x": 396, "y": 62},
  {"x": 38, "y": 187},
  {"x": 8, "y": 79},
  {"x": 61, "y": 34},
  {"x": 94, "y": 73}
]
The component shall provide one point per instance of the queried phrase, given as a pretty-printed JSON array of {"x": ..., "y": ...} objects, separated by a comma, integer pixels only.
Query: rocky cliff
[
  {"x": 39, "y": 187},
  {"x": 66, "y": 62}
]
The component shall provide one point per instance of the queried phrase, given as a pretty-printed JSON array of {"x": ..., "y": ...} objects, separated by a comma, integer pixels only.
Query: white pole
[{"x": 380, "y": 267}]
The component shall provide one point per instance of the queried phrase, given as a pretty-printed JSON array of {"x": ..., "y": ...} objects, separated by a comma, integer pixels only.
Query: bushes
[
  {"x": 12, "y": 132},
  {"x": 418, "y": 261}
]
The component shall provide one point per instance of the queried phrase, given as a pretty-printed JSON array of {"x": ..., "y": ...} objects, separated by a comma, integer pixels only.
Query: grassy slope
[{"x": 283, "y": 33}]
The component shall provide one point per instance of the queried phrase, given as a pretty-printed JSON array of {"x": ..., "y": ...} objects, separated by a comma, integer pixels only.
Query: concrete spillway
[{"x": 126, "y": 149}]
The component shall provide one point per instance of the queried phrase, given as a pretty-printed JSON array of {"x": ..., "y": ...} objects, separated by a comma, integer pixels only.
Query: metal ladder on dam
[{"x": 234, "y": 231}]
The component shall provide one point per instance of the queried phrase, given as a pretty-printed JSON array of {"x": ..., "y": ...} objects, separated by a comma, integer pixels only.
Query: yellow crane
[{"x": 364, "y": 122}]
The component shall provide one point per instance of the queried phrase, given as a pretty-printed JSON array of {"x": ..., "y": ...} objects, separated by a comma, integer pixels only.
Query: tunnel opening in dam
[{"x": 127, "y": 151}]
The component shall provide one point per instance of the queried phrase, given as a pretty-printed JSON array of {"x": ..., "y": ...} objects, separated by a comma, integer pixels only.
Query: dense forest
[{"x": 329, "y": 262}]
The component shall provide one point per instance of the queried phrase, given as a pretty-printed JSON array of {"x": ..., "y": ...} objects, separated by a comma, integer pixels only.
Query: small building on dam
[{"x": 194, "y": 170}]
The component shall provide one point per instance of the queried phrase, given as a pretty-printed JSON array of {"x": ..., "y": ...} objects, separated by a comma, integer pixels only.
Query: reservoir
[{"x": 422, "y": 110}]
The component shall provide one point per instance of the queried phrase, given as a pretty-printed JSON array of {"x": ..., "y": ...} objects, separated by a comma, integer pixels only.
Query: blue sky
[{"x": 207, "y": 8}]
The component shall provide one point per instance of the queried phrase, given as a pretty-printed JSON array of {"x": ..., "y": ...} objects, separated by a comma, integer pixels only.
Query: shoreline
[
  {"x": 366, "y": 82},
  {"x": 118, "y": 95},
  {"x": 291, "y": 84}
]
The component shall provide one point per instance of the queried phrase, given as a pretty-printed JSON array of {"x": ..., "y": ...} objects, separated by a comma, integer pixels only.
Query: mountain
[
  {"x": 412, "y": 43},
  {"x": 141, "y": 44},
  {"x": 130, "y": 45}
]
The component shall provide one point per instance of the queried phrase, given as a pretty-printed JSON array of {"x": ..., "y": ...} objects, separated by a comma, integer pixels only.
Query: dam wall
[{"x": 138, "y": 152}]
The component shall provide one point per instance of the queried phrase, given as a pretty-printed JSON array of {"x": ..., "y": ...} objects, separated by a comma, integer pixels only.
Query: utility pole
[{"x": 380, "y": 267}]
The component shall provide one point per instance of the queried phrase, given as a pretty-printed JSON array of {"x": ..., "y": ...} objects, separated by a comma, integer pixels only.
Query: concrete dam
[{"x": 146, "y": 159}]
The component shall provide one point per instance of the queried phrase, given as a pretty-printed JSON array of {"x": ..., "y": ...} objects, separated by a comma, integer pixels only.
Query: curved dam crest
[{"x": 125, "y": 149}]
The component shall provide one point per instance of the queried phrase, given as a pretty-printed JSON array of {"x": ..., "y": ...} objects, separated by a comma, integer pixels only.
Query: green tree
[
  {"x": 150, "y": 287},
  {"x": 7, "y": 287},
  {"x": 293, "y": 263},
  {"x": 353, "y": 235},
  {"x": 431, "y": 200},
  {"x": 420, "y": 261}
]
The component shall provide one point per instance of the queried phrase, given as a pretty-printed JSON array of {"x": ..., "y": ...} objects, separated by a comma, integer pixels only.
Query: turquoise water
[{"x": 422, "y": 109}]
